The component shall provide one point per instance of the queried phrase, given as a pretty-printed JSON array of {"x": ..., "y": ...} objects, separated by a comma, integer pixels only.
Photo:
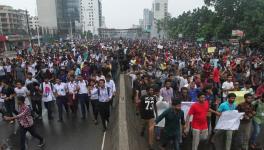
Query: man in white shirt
[
  {"x": 227, "y": 86},
  {"x": 60, "y": 90},
  {"x": 47, "y": 96},
  {"x": 82, "y": 88},
  {"x": 22, "y": 91},
  {"x": 30, "y": 79},
  {"x": 105, "y": 94},
  {"x": 111, "y": 84}
]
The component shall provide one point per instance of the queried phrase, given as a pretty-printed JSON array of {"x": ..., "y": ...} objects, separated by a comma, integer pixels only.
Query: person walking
[
  {"x": 147, "y": 109},
  {"x": 60, "y": 90},
  {"x": 245, "y": 124},
  {"x": 8, "y": 95},
  {"x": 174, "y": 118},
  {"x": 82, "y": 88},
  {"x": 199, "y": 111},
  {"x": 229, "y": 105},
  {"x": 104, "y": 96},
  {"x": 72, "y": 95},
  {"x": 26, "y": 123},
  {"x": 47, "y": 97},
  {"x": 94, "y": 96}
]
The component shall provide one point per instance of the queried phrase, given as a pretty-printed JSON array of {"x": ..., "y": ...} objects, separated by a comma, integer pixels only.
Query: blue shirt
[
  {"x": 193, "y": 94},
  {"x": 226, "y": 107}
]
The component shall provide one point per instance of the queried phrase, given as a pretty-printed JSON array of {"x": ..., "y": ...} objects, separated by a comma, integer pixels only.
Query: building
[
  {"x": 13, "y": 21},
  {"x": 59, "y": 16},
  {"x": 147, "y": 20},
  {"x": 132, "y": 33},
  {"x": 91, "y": 15},
  {"x": 1, "y": 29},
  {"x": 47, "y": 19},
  {"x": 160, "y": 11},
  {"x": 103, "y": 22},
  {"x": 33, "y": 23}
]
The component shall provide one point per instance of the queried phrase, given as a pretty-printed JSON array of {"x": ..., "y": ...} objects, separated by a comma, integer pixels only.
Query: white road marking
[{"x": 103, "y": 143}]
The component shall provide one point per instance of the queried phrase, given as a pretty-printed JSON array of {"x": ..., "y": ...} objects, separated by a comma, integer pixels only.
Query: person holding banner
[
  {"x": 245, "y": 124},
  {"x": 229, "y": 105},
  {"x": 199, "y": 125}
]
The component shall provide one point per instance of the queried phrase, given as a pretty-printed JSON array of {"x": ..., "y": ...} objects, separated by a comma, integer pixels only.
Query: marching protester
[
  {"x": 147, "y": 110},
  {"x": 26, "y": 123},
  {"x": 104, "y": 97},
  {"x": 60, "y": 90},
  {"x": 174, "y": 119}
]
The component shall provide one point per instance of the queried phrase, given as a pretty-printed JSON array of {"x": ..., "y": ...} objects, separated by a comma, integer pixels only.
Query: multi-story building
[
  {"x": 33, "y": 23},
  {"x": 103, "y": 22},
  {"x": 62, "y": 16},
  {"x": 91, "y": 15},
  {"x": 1, "y": 30},
  {"x": 147, "y": 20},
  {"x": 160, "y": 11},
  {"x": 13, "y": 21}
]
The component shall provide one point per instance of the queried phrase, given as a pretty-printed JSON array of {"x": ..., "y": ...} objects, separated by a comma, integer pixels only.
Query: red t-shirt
[{"x": 199, "y": 112}]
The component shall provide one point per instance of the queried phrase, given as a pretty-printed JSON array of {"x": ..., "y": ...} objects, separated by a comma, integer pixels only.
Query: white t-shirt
[
  {"x": 83, "y": 87},
  {"x": 72, "y": 86},
  {"x": 227, "y": 86},
  {"x": 47, "y": 92},
  {"x": 60, "y": 89},
  {"x": 23, "y": 92},
  {"x": 8, "y": 68}
]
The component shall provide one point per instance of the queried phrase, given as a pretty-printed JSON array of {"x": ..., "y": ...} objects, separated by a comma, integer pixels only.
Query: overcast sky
[{"x": 119, "y": 13}]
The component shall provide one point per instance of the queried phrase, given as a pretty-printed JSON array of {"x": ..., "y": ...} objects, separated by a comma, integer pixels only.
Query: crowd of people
[
  {"x": 72, "y": 75},
  {"x": 167, "y": 73},
  {"x": 164, "y": 74}
]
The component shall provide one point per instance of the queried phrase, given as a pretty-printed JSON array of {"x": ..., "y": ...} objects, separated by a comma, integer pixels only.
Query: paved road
[{"x": 73, "y": 134}]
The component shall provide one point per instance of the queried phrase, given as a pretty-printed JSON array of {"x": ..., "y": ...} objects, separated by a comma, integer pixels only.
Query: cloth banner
[{"x": 229, "y": 120}]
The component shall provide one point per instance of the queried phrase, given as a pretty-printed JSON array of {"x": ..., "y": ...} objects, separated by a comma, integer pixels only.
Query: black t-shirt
[
  {"x": 8, "y": 91},
  {"x": 147, "y": 106}
]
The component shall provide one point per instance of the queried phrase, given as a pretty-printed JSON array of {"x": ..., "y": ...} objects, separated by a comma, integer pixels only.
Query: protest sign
[
  {"x": 211, "y": 49},
  {"x": 185, "y": 107},
  {"x": 229, "y": 120}
]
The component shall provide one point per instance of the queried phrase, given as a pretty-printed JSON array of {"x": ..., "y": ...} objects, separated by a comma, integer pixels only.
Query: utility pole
[{"x": 29, "y": 33}]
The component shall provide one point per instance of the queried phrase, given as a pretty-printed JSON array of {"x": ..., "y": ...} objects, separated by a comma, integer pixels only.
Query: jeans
[
  {"x": 197, "y": 136},
  {"x": 23, "y": 132},
  {"x": 84, "y": 102},
  {"x": 255, "y": 133},
  {"x": 48, "y": 106},
  {"x": 95, "y": 108},
  {"x": 10, "y": 107},
  {"x": 37, "y": 107},
  {"x": 104, "y": 112},
  {"x": 62, "y": 101}
]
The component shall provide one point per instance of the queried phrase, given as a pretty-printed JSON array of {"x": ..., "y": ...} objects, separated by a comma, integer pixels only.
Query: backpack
[{"x": 108, "y": 91}]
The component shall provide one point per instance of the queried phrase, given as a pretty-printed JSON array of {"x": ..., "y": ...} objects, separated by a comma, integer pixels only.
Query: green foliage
[{"x": 218, "y": 18}]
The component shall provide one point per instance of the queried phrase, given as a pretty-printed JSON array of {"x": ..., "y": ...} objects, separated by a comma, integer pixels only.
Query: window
[{"x": 157, "y": 6}]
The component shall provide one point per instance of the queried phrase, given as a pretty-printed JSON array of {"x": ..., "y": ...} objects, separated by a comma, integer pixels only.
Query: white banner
[{"x": 229, "y": 120}]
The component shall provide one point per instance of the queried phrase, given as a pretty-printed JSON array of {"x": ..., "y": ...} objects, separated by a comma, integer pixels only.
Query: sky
[{"x": 119, "y": 13}]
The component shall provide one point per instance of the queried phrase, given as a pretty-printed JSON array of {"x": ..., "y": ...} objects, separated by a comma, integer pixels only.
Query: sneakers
[{"x": 41, "y": 143}]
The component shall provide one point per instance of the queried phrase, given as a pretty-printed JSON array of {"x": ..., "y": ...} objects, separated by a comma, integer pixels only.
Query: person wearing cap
[
  {"x": 26, "y": 123},
  {"x": 174, "y": 118}
]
